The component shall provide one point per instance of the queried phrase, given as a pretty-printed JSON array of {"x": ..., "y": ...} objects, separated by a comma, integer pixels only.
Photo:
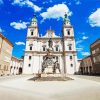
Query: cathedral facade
[{"x": 50, "y": 53}]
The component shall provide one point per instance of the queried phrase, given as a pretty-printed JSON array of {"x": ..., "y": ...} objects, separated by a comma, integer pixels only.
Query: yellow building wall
[{"x": 5, "y": 58}]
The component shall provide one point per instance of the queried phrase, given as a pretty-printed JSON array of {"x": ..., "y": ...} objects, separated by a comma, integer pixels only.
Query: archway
[{"x": 20, "y": 70}]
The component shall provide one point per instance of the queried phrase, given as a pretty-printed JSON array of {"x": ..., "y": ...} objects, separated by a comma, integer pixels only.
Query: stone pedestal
[
  {"x": 51, "y": 75},
  {"x": 48, "y": 70}
]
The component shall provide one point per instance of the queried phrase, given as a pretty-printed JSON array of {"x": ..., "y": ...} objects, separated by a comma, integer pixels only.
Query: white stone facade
[
  {"x": 63, "y": 47},
  {"x": 16, "y": 66}
]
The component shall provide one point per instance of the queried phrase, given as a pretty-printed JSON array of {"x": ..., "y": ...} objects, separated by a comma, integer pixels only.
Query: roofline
[
  {"x": 86, "y": 57},
  {"x": 95, "y": 41},
  {"x": 3, "y": 37},
  {"x": 17, "y": 58}
]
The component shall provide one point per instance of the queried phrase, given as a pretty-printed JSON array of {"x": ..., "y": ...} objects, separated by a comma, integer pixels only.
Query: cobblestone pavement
[
  {"x": 20, "y": 88},
  {"x": 93, "y": 78}
]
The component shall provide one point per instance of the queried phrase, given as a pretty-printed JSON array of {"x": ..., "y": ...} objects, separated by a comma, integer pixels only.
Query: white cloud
[
  {"x": 85, "y": 37},
  {"x": 1, "y": 2},
  {"x": 19, "y": 25},
  {"x": 56, "y": 12},
  {"x": 27, "y": 3},
  {"x": 79, "y": 41},
  {"x": 19, "y": 43},
  {"x": 85, "y": 53},
  {"x": 1, "y": 30},
  {"x": 82, "y": 37},
  {"x": 94, "y": 18},
  {"x": 36, "y": 8},
  {"x": 79, "y": 49}
]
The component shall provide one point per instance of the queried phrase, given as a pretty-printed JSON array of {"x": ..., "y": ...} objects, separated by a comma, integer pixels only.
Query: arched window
[
  {"x": 43, "y": 48},
  {"x": 68, "y": 32},
  {"x": 32, "y": 32}
]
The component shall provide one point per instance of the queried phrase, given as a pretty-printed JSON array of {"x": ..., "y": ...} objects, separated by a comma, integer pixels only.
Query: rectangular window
[
  {"x": 57, "y": 48},
  {"x": 43, "y": 48},
  {"x": 4, "y": 67},
  {"x": 56, "y": 58},
  {"x": 93, "y": 52},
  {"x": 70, "y": 47},
  {"x": 70, "y": 57},
  {"x": 94, "y": 59},
  {"x": 29, "y": 65},
  {"x": 31, "y": 48},
  {"x": 7, "y": 68},
  {"x": 71, "y": 65},
  {"x": 30, "y": 57}
]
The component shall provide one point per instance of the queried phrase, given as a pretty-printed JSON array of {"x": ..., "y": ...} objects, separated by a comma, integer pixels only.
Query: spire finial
[
  {"x": 34, "y": 15},
  {"x": 66, "y": 15},
  {"x": 34, "y": 19},
  {"x": 66, "y": 19}
]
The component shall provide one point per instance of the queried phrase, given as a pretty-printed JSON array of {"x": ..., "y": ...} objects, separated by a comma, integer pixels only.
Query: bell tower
[
  {"x": 69, "y": 47},
  {"x": 67, "y": 27},
  {"x": 33, "y": 28},
  {"x": 31, "y": 47}
]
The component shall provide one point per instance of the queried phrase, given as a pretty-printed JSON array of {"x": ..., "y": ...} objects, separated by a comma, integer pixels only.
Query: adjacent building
[
  {"x": 5, "y": 55},
  {"x": 50, "y": 49},
  {"x": 91, "y": 64},
  {"x": 95, "y": 56},
  {"x": 86, "y": 66},
  {"x": 16, "y": 66}
]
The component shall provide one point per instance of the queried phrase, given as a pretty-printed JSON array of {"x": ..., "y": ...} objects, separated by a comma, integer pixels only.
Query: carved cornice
[
  {"x": 68, "y": 37},
  {"x": 68, "y": 52},
  {"x": 43, "y": 38},
  {"x": 32, "y": 26},
  {"x": 32, "y": 37},
  {"x": 45, "y": 52},
  {"x": 67, "y": 27},
  {"x": 60, "y": 38}
]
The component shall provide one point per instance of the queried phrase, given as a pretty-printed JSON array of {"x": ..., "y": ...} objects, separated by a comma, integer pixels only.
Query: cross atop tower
[
  {"x": 34, "y": 19},
  {"x": 66, "y": 19},
  {"x": 66, "y": 15}
]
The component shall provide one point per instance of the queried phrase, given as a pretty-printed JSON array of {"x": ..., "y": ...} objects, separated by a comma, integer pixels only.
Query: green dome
[{"x": 34, "y": 19}]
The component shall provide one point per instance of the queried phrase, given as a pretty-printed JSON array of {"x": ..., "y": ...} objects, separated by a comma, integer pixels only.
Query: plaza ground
[{"x": 20, "y": 88}]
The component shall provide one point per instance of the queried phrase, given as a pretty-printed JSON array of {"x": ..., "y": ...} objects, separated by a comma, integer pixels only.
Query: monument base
[
  {"x": 48, "y": 70},
  {"x": 51, "y": 75}
]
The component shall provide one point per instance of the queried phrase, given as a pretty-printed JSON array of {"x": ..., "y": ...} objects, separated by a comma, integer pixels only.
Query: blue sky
[{"x": 15, "y": 16}]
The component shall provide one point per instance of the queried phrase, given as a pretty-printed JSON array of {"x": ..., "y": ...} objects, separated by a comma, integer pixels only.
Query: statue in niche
[{"x": 50, "y": 43}]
